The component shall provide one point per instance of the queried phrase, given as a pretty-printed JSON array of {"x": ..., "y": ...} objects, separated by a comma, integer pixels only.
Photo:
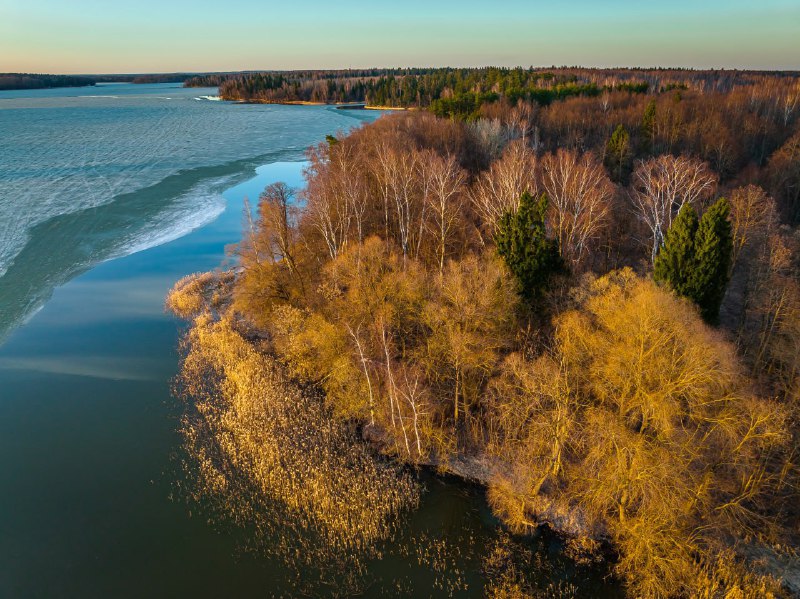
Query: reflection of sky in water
[
  {"x": 117, "y": 369},
  {"x": 88, "y": 428},
  {"x": 84, "y": 179},
  {"x": 121, "y": 297}
]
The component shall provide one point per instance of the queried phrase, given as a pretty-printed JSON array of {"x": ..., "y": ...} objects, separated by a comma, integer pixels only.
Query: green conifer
[
  {"x": 713, "y": 247},
  {"x": 618, "y": 154},
  {"x": 675, "y": 262},
  {"x": 523, "y": 244}
]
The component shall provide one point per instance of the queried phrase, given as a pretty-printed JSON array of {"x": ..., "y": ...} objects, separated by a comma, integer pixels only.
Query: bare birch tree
[
  {"x": 279, "y": 216},
  {"x": 498, "y": 190},
  {"x": 328, "y": 210},
  {"x": 580, "y": 195},
  {"x": 662, "y": 185},
  {"x": 444, "y": 181},
  {"x": 403, "y": 208}
]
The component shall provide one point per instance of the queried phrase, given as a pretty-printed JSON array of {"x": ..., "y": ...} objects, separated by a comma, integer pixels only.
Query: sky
[{"x": 143, "y": 36}]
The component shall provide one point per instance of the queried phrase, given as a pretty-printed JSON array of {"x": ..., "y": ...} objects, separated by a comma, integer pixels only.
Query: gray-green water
[{"x": 104, "y": 203}]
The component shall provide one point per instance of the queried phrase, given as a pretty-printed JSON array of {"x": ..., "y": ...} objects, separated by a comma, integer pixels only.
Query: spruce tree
[
  {"x": 675, "y": 262},
  {"x": 618, "y": 154},
  {"x": 713, "y": 247},
  {"x": 523, "y": 244}
]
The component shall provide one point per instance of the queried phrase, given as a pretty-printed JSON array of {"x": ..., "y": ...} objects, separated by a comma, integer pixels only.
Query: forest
[
  {"x": 461, "y": 92},
  {"x": 586, "y": 299},
  {"x": 410, "y": 88},
  {"x": 32, "y": 81},
  {"x": 159, "y": 78},
  {"x": 9, "y": 81}
]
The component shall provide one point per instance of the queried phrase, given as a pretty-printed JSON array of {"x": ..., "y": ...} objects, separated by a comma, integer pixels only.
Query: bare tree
[
  {"x": 753, "y": 215},
  {"x": 356, "y": 335},
  {"x": 403, "y": 208},
  {"x": 790, "y": 101},
  {"x": 249, "y": 246},
  {"x": 350, "y": 185},
  {"x": 279, "y": 216},
  {"x": 523, "y": 119},
  {"x": 580, "y": 195},
  {"x": 662, "y": 185},
  {"x": 392, "y": 389},
  {"x": 327, "y": 194},
  {"x": 498, "y": 190},
  {"x": 492, "y": 136},
  {"x": 443, "y": 182},
  {"x": 605, "y": 100},
  {"x": 413, "y": 391},
  {"x": 783, "y": 172}
]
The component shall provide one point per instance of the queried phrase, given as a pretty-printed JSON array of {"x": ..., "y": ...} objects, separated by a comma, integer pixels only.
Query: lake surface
[{"x": 108, "y": 195}]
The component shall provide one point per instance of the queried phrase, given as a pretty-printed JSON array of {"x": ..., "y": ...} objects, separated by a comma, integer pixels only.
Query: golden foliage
[
  {"x": 470, "y": 317},
  {"x": 643, "y": 418},
  {"x": 726, "y": 577},
  {"x": 753, "y": 216},
  {"x": 197, "y": 292},
  {"x": 650, "y": 359},
  {"x": 260, "y": 440},
  {"x": 318, "y": 351},
  {"x": 369, "y": 307},
  {"x": 508, "y": 504}
]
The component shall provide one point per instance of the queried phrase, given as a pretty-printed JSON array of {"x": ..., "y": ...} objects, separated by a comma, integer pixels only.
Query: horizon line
[{"x": 471, "y": 67}]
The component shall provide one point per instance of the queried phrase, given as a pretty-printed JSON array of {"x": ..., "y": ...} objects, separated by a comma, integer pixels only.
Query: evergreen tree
[
  {"x": 649, "y": 124},
  {"x": 523, "y": 244},
  {"x": 675, "y": 262},
  {"x": 713, "y": 247},
  {"x": 618, "y": 154}
]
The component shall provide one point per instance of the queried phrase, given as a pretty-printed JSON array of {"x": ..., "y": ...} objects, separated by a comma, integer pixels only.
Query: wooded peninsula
[{"x": 578, "y": 287}]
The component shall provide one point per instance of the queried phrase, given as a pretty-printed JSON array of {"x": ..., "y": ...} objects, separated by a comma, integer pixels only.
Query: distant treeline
[
  {"x": 446, "y": 91},
  {"x": 461, "y": 92},
  {"x": 31, "y": 81},
  {"x": 143, "y": 78},
  {"x": 162, "y": 78},
  {"x": 10, "y": 81}
]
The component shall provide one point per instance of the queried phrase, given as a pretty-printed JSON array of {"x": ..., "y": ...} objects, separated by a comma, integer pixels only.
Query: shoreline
[
  {"x": 479, "y": 468},
  {"x": 570, "y": 522},
  {"x": 338, "y": 105}
]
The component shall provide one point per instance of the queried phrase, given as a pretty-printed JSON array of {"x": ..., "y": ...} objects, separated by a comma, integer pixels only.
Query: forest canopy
[
  {"x": 32, "y": 81},
  {"x": 593, "y": 302}
]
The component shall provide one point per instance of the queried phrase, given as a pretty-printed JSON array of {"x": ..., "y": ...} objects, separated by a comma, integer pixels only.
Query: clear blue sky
[{"x": 118, "y": 36}]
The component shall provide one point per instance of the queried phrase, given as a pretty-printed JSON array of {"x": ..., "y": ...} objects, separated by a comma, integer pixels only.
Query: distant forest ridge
[
  {"x": 9, "y": 81},
  {"x": 460, "y": 92},
  {"x": 30, "y": 81}
]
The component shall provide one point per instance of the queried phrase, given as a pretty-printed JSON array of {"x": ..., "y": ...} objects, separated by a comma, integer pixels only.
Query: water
[
  {"x": 91, "y": 174},
  {"x": 96, "y": 224}
]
